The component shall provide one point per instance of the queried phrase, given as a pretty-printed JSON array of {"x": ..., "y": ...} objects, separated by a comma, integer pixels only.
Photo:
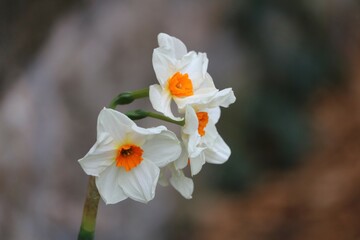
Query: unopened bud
[
  {"x": 137, "y": 114},
  {"x": 124, "y": 98}
]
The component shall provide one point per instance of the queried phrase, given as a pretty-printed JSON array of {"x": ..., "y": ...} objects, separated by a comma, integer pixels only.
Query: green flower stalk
[
  {"x": 87, "y": 228},
  {"x": 140, "y": 114}
]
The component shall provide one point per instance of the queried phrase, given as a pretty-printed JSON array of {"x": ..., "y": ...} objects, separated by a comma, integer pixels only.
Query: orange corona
[
  {"x": 128, "y": 156},
  {"x": 203, "y": 118},
  {"x": 180, "y": 85}
]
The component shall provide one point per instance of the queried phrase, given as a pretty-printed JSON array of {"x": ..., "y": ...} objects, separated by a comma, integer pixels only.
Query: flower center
[
  {"x": 203, "y": 118},
  {"x": 128, "y": 156},
  {"x": 180, "y": 85}
]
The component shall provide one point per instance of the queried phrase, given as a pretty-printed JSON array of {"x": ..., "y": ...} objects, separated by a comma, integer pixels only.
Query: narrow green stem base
[
  {"x": 85, "y": 235},
  {"x": 87, "y": 228}
]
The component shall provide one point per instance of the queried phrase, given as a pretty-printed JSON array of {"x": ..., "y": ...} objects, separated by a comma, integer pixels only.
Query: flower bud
[
  {"x": 137, "y": 114},
  {"x": 124, "y": 98}
]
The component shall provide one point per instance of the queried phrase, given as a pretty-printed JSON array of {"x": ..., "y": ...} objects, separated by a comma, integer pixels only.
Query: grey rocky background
[
  {"x": 55, "y": 81},
  {"x": 62, "y": 61}
]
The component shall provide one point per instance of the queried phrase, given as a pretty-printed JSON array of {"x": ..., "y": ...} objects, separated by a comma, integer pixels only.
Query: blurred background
[{"x": 294, "y": 130}]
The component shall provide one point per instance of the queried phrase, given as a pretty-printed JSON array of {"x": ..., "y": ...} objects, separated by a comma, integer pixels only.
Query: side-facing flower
[
  {"x": 126, "y": 159},
  {"x": 177, "y": 178},
  {"x": 182, "y": 77},
  {"x": 202, "y": 140}
]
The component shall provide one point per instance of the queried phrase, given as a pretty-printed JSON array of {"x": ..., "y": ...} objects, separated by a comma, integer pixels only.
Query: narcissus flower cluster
[{"x": 129, "y": 161}]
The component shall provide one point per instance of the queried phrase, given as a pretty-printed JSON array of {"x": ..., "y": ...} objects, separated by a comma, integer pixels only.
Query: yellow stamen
[
  {"x": 129, "y": 156},
  {"x": 203, "y": 118},
  {"x": 180, "y": 85}
]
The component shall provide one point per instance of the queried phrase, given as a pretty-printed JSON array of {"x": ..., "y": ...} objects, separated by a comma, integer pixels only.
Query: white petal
[
  {"x": 163, "y": 65},
  {"x": 214, "y": 114},
  {"x": 190, "y": 135},
  {"x": 176, "y": 48},
  {"x": 107, "y": 184},
  {"x": 162, "y": 148},
  {"x": 183, "y": 184},
  {"x": 140, "y": 182},
  {"x": 222, "y": 98},
  {"x": 200, "y": 98},
  {"x": 207, "y": 96},
  {"x": 100, "y": 156},
  {"x": 195, "y": 65},
  {"x": 149, "y": 131},
  {"x": 218, "y": 153},
  {"x": 191, "y": 121},
  {"x": 140, "y": 135},
  {"x": 161, "y": 101},
  {"x": 196, "y": 164},
  {"x": 163, "y": 178},
  {"x": 208, "y": 82},
  {"x": 183, "y": 159},
  {"x": 193, "y": 145},
  {"x": 211, "y": 135},
  {"x": 115, "y": 123}
]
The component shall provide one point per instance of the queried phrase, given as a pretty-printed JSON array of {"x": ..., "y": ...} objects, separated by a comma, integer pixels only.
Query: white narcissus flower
[
  {"x": 182, "y": 77},
  {"x": 126, "y": 159},
  {"x": 203, "y": 142}
]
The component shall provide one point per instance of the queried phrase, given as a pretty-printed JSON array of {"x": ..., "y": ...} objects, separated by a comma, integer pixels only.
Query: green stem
[
  {"x": 142, "y": 93},
  {"x": 87, "y": 228},
  {"x": 164, "y": 118},
  {"x": 140, "y": 114}
]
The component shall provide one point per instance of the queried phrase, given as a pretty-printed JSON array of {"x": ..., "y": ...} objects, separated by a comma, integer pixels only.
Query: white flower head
[
  {"x": 202, "y": 140},
  {"x": 182, "y": 77},
  {"x": 126, "y": 159}
]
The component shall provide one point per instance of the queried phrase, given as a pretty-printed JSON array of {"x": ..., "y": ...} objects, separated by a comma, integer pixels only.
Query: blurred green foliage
[{"x": 294, "y": 57}]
